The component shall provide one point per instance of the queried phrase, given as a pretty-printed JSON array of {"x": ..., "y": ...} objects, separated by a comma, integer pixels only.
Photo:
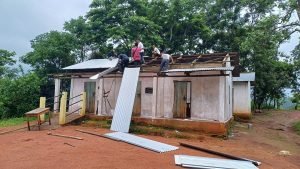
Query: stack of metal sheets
[
  {"x": 204, "y": 163},
  {"x": 141, "y": 142}
]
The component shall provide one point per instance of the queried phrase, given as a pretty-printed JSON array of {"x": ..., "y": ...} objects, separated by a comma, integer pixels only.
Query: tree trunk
[{"x": 298, "y": 9}]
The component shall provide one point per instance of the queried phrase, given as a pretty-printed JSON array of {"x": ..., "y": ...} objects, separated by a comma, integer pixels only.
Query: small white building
[
  {"x": 194, "y": 94},
  {"x": 242, "y": 95}
]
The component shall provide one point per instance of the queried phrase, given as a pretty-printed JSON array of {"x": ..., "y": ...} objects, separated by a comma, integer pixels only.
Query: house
[
  {"x": 242, "y": 95},
  {"x": 194, "y": 94}
]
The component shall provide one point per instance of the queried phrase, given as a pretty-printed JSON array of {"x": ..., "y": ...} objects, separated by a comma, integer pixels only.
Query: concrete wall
[
  {"x": 242, "y": 100},
  {"x": 77, "y": 87},
  {"x": 146, "y": 98},
  {"x": 210, "y": 98},
  {"x": 207, "y": 98}
]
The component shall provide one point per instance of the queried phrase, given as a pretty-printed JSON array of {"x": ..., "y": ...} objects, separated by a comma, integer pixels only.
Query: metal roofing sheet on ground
[
  {"x": 201, "y": 69},
  {"x": 202, "y": 162},
  {"x": 123, "y": 111},
  {"x": 142, "y": 142},
  {"x": 94, "y": 64},
  {"x": 245, "y": 77}
]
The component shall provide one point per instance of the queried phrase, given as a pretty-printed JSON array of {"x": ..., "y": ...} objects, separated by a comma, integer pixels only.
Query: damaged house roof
[{"x": 182, "y": 63}]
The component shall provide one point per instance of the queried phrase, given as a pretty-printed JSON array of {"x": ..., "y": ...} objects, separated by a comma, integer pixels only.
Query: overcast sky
[{"x": 22, "y": 20}]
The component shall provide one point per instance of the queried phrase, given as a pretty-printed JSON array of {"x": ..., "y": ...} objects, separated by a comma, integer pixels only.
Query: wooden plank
[{"x": 37, "y": 111}]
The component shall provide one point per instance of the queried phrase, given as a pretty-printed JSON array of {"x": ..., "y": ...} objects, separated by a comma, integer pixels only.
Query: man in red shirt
[{"x": 135, "y": 54}]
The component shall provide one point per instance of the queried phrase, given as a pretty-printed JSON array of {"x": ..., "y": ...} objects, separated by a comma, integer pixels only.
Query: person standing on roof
[
  {"x": 165, "y": 61},
  {"x": 135, "y": 54},
  {"x": 140, "y": 45},
  {"x": 122, "y": 62},
  {"x": 155, "y": 52}
]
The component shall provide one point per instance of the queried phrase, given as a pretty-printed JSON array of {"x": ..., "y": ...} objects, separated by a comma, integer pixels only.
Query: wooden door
[
  {"x": 90, "y": 88},
  {"x": 137, "y": 101},
  {"x": 180, "y": 96}
]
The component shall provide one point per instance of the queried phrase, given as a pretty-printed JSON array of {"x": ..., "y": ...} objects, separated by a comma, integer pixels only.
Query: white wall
[
  {"x": 242, "y": 100},
  {"x": 146, "y": 98},
  {"x": 77, "y": 87},
  {"x": 209, "y": 99}
]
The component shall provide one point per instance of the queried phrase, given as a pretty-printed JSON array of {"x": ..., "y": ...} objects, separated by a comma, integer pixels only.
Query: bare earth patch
[{"x": 271, "y": 132}]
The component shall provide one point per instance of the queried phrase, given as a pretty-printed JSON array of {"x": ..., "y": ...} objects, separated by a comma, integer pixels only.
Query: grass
[
  {"x": 296, "y": 127},
  {"x": 13, "y": 121},
  {"x": 139, "y": 129}
]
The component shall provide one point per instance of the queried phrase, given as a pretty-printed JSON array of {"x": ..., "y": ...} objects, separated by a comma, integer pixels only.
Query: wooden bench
[{"x": 36, "y": 113}]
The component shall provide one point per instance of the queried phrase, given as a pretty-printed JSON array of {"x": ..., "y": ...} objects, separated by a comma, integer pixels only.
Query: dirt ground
[{"x": 271, "y": 132}]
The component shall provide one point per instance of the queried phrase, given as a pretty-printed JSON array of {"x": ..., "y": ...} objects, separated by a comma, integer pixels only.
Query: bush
[
  {"x": 19, "y": 95},
  {"x": 296, "y": 127}
]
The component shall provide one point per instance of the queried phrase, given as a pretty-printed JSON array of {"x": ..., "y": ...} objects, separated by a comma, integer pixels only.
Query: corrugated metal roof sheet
[
  {"x": 107, "y": 71},
  {"x": 201, "y": 69},
  {"x": 124, "y": 105},
  {"x": 245, "y": 77},
  {"x": 94, "y": 64},
  {"x": 142, "y": 142},
  {"x": 200, "y": 162}
]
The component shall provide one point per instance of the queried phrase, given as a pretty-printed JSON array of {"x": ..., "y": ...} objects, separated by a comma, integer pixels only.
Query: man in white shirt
[
  {"x": 155, "y": 52},
  {"x": 140, "y": 45},
  {"x": 165, "y": 61}
]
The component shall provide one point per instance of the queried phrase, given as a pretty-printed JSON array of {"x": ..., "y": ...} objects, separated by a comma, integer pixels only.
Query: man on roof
[{"x": 165, "y": 61}]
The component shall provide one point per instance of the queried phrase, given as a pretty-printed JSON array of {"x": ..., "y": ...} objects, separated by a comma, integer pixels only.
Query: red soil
[{"x": 35, "y": 149}]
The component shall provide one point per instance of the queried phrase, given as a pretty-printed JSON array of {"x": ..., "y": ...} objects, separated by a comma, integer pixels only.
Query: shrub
[{"x": 19, "y": 95}]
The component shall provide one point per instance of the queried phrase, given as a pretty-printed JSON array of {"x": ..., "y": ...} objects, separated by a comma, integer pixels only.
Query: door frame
[
  {"x": 190, "y": 98},
  {"x": 88, "y": 102}
]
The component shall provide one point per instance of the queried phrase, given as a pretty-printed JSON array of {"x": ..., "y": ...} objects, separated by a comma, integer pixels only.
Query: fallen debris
[
  {"x": 65, "y": 136},
  {"x": 5, "y": 132},
  {"x": 141, "y": 142},
  {"x": 284, "y": 153},
  {"x": 204, "y": 162},
  {"x": 92, "y": 133},
  {"x": 257, "y": 163},
  {"x": 69, "y": 144},
  {"x": 281, "y": 129}
]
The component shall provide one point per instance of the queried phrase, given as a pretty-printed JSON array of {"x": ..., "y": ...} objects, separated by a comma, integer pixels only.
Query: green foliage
[
  {"x": 19, "y": 95},
  {"x": 80, "y": 29},
  {"x": 254, "y": 28},
  {"x": 5, "y": 59},
  {"x": 296, "y": 127},
  {"x": 51, "y": 52},
  {"x": 296, "y": 100}
]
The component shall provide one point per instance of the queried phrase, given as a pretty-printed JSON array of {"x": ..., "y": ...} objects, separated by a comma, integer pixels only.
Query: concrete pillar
[
  {"x": 100, "y": 97},
  {"x": 249, "y": 97},
  {"x": 63, "y": 108},
  {"x": 42, "y": 105},
  {"x": 83, "y": 104},
  {"x": 154, "y": 97},
  {"x": 56, "y": 95},
  {"x": 71, "y": 108}
]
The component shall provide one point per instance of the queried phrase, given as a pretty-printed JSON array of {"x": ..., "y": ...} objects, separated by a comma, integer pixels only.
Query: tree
[
  {"x": 5, "y": 59},
  {"x": 296, "y": 100},
  {"x": 120, "y": 23},
  {"x": 19, "y": 95},
  {"x": 51, "y": 52},
  {"x": 81, "y": 30}
]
